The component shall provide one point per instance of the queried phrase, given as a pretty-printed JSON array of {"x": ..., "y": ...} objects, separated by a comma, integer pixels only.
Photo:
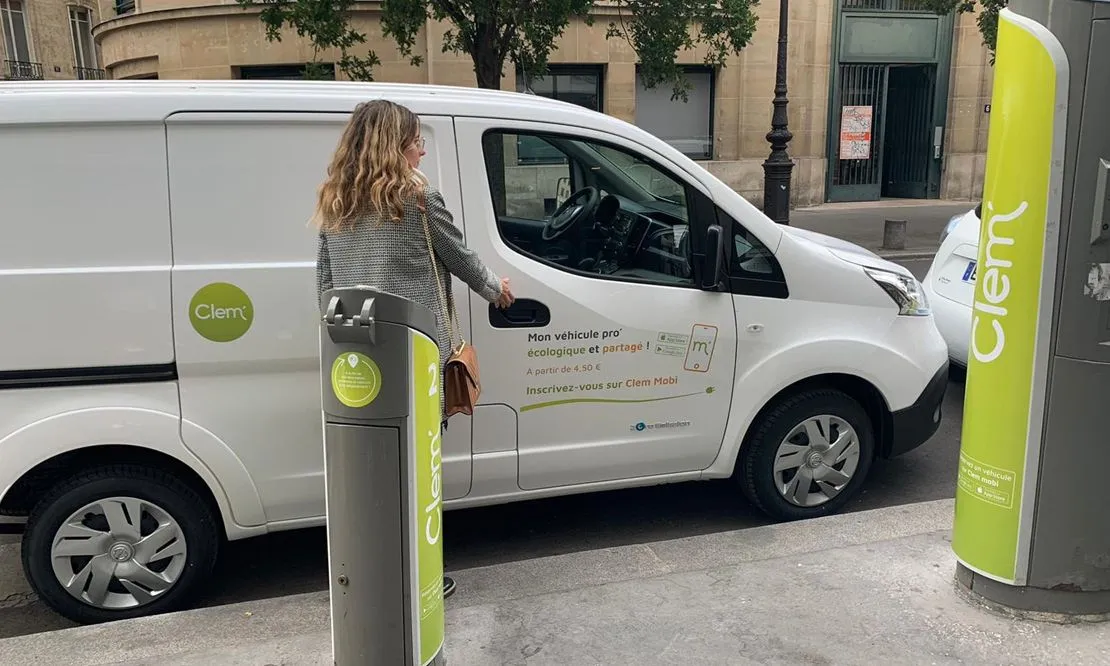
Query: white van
[{"x": 159, "y": 386}]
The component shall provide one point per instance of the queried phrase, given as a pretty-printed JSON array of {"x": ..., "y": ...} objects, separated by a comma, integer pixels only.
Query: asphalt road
[{"x": 295, "y": 562}]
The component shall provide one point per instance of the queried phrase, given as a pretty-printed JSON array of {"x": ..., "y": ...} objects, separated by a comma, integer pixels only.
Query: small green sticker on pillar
[{"x": 356, "y": 379}]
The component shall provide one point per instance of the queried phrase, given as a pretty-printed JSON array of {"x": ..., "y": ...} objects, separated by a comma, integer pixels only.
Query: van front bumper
[{"x": 911, "y": 427}]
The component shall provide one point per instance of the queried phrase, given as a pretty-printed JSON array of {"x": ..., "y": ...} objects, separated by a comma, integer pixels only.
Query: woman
[{"x": 369, "y": 212}]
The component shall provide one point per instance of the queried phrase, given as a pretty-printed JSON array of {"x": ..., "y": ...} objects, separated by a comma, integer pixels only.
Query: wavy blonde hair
[{"x": 368, "y": 173}]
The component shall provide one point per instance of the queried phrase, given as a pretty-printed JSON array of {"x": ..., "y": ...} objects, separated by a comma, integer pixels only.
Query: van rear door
[{"x": 84, "y": 254}]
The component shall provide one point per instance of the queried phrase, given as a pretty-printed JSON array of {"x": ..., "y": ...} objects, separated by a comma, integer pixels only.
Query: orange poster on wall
[{"x": 855, "y": 133}]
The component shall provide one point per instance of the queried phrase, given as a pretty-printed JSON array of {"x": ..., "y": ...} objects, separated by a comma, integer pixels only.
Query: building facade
[
  {"x": 49, "y": 39},
  {"x": 886, "y": 99}
]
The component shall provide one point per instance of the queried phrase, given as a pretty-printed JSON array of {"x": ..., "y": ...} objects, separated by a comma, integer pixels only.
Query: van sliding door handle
[{"x": 523, "y": 313}]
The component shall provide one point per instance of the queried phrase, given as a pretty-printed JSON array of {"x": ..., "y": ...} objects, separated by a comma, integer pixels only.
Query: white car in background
[{"x": 950, "y": 283}]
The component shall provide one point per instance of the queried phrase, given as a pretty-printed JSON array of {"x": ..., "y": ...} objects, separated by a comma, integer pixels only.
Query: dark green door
[
  {"x": 888, "y": 100},
  {"x": 908, "y": 141}
]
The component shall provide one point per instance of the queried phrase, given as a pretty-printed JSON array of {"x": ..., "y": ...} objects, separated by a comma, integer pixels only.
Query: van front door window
[{"x": 589, "y": 207}]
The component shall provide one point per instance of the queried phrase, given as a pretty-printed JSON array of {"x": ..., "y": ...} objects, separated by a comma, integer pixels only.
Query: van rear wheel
[
  {"x": 809, "y": 455},
  {"x": 117, "y": 542}
]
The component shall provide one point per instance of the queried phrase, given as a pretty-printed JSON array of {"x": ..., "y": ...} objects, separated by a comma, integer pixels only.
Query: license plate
[{"x": 969, "y": 272}]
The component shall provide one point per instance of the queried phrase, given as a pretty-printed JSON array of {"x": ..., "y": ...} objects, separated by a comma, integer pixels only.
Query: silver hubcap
[
  {"x": 118, "y": 552},
  {"x": 816, "y": 460}
]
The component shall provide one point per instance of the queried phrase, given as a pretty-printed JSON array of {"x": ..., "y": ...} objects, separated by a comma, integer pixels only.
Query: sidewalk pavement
[
  {"x": 855, "y": 588},
  {"x": 862, "y": 223}
]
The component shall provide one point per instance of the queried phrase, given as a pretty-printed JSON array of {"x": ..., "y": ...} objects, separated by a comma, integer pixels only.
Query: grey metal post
[
  {"x": 380, "y": 401},
  {"x": 1032, "y": 530}
]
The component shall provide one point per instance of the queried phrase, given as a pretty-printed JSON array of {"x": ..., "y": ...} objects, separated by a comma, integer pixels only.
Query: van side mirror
[
  {"x": 714, "y": 257},
  {"x": 562, "y": 190}
]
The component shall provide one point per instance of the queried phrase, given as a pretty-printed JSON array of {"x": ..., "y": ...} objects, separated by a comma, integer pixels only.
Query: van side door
[
  {"x": 246, "y": 319},
  {"x": 617, "y": 364}
]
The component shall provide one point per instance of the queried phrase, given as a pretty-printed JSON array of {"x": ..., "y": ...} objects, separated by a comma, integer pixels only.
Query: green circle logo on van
[
  {"x": 221, "y": 312},
  {"x": 356, "y": 379}
]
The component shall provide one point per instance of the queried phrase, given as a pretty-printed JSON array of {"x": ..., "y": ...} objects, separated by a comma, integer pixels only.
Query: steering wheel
[{"x": 567, "y": 215}]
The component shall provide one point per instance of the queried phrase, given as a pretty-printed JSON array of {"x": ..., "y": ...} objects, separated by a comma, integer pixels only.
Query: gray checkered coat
[{"x": 393, "y": 257}]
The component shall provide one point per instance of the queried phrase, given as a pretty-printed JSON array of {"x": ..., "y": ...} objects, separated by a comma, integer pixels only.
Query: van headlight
[{"x": 904, "y": 289}]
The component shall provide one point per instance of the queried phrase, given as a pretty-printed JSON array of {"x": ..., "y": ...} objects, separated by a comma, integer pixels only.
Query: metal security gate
[
  {"x": 857, "y": 160},
  {"x": 888, "y": 100},
  {"x": 888, "y": 5},
  {"x": 910, "y": 135}
]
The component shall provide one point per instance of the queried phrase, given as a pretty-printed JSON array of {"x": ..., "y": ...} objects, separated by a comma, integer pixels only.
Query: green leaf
[
  {"x": 326, "y": 26},
  {"x": 658, "y": 30},
  {"x": 987, "y": 19}
]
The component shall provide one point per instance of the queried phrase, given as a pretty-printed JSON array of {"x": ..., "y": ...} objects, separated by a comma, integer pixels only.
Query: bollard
[
  {"x": 380, "y": 401},
  {"x": 894, "y": 235}
]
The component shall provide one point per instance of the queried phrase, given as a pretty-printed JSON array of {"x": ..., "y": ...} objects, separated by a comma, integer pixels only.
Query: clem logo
[
  {"x": 994, "y": 289},
  {"x": 221, "y": 312}
]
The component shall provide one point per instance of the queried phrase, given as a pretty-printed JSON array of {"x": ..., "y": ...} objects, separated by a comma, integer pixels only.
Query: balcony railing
[
  {"x": 89, "y": 73},
  {"x": 22, "y": 70}
]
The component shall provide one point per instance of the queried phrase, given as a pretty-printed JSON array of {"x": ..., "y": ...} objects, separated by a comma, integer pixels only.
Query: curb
[
  {"x": 884, "y": 204},
  {"x": 906, "y": 255}
]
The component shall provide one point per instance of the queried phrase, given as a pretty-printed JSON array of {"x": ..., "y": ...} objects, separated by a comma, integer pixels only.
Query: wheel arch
[
  {"x": 105, "y": 434},
  {"x": 865, "y": 392},
  {"x": 24, "y": 493},
  {"x": 859, "y": 389}
]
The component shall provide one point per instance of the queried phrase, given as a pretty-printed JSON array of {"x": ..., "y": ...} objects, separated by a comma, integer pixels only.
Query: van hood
[{"x": 845, "y": 251}]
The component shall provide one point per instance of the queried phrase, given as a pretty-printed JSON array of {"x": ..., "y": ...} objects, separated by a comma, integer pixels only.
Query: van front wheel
[
  {"x": 117, "y": 542},
  {"x": 808, "y": 456}
]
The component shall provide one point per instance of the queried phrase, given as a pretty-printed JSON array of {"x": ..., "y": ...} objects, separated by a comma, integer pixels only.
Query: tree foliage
[
  {"x": 987, "y": 19},
  {"x": 658, "y": 30},
  {"x": 325, "y": 24},
  {"x": 524, "y": 32},
  {"x": 489, "y": 31}
]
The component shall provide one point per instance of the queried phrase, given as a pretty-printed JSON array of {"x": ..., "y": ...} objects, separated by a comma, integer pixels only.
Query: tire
[
  {"x": 787, "y": 419},
  {"x": 180, "y": 557}
]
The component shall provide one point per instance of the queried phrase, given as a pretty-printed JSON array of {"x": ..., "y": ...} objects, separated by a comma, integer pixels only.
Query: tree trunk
[
  {"x": 487, "y": 57},
  {"x": 487, "y": 70}
]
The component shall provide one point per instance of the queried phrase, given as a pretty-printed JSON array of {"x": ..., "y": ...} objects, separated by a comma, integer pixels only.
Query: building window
[
  {"x": 687, "y": 126},
  {"x": 283, "y": 71},
  {"x": 14, "y": 23},
  {"x": 80, "y": 28},
  {"x": 124, "y": 6},
  {"x": 576, "y": 84}
]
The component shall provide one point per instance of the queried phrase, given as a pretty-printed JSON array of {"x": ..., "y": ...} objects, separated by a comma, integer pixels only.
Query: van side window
[
  {"x": 589, "y": 208},
  {"x": 753, "y": 268}
]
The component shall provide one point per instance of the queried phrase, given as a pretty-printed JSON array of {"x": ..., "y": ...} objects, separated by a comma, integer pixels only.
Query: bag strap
[{"x": 449, "y": 315}]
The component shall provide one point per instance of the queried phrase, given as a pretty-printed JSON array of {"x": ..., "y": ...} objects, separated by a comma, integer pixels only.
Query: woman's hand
[{"x": 506, "y": 298}]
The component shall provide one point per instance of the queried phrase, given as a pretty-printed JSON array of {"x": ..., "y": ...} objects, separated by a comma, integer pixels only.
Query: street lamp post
[{"x": 778, "y": 166}]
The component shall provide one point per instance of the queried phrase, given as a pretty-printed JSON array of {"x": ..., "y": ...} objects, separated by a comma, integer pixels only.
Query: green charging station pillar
[
  {"x": 1032, "y": 529},
  {"x": 382, "y": 468}
]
